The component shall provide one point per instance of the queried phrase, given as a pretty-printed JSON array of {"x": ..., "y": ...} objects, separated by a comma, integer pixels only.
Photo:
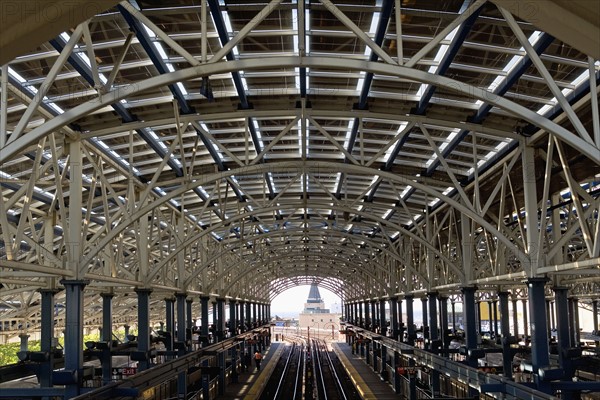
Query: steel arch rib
[
  {"x": 205, "y": 264},
  {"x": 308, "y": 166},
  {"x": 283, "y": 257},
  {"x": 114, "y": 96}
]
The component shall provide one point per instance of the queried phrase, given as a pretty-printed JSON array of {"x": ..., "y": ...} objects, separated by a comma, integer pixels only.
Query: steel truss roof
[{"x": 223, "y": 148}]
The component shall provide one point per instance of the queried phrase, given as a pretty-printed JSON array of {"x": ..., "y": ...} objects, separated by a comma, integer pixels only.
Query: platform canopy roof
[{"x": 236, "y": 149}]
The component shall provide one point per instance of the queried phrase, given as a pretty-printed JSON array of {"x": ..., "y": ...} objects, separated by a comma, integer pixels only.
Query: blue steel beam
[
  {"x": 384, "y": 19},
  {"x": 160, "y": 65},
  {"x": 126, "y": 116},
  {"x": 459, "y": 38},
  {"x": 541, "y": 45},
  {"x": 215, "y": 11},
  {"x": 453, "y": 48}
]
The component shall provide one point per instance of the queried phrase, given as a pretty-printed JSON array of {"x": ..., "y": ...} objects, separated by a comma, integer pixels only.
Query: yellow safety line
[
  {"x": 360, "y": 385},
  {"x": 256, "y": 389}
]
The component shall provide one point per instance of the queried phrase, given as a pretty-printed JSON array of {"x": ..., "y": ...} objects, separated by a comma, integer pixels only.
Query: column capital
[
  {"x": 142, "y": 290},
  {"x": 74, "y": 282},
  {"x": 557, "y": 288},
  {"x": 409, "y": 297},
  {"x": 537, "y": 279},
  {"x": 189, "y": 300},
  {"x": 106, "y": 295},
  {"x": 50, "y": 291},
  {"x": 468, "y": 288},
  {"x": 433, "y": 293},
  {"x": 181, "y": 294},
  {"x": 169, "y": 298}
]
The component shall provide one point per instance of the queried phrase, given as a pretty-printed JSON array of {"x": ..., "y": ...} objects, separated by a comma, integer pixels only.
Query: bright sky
[{"x": 291, "y": 302}]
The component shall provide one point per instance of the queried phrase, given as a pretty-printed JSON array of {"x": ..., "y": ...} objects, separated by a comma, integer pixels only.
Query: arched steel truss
[{"x": 371, "y": 191}]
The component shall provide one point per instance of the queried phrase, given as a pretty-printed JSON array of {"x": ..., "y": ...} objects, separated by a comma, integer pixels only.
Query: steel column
[
  {"x": 248, "y": 315},
  {"x": 366, "y": 321},
  {"x": 74, "y": 334},
  {"x": 495, "y": 317},
  {"x": 189, "y": 318},
  {"x": 394, "y": 317},
  {"x": 539, "y": 331},
  {"x": 143, "y": 296},
  {"x": 170, "y": 324},
  {"x": 515, "y": 318},
  {"x": 374, "y": 321},
  {"x": 233, "y": 332},
  {"x": 181, "y": 350},
  {"x": 47, "y": 334},
  {"x": 469, "y": 321},
  {"x": 382, "y": 319},
  {"x": 401, "y": 327},
  {"x": 433, "y": 317},
  {"x": 561, "y": 302},
  {"x": 453, "y": 305},
  {"x": 425, "y": 319},
  {"x": 220, "y": 321},
  {"x": 204, "y": 320},
  {"x": 505, "y": 330},
  {"x": 106, "y": 337},
  {"x": 242, "y": 316},
  {"x": 525, "y": 322},
  {"x": 232, "y": 318},
  {"x": 576, "y": 322},
  {"x": 410, "y": 322},
  {"x": 254, "y": 315},
  {"x": 444, "y": 321},
  {"x": 595, "y": 318}
]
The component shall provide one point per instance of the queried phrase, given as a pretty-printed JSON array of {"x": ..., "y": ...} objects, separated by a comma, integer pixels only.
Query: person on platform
[{"x": 258, "y": 357}]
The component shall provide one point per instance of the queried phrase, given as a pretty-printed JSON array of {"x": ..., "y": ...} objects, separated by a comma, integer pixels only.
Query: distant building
[{"x": 316, "y": 317}]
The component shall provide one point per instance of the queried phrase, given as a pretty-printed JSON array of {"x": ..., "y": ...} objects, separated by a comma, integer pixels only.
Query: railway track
[
  {"x": 286, "y": 382},
  {"x": 331, "y": 381}
]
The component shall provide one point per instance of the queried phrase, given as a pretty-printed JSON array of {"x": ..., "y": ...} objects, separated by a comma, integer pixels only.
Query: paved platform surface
[
  {"x": 251, "y": 382},
  {"x": 368, "y": 383}
]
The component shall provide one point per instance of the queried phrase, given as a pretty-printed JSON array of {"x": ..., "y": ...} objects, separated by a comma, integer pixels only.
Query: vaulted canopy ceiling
[{"x": 376, "y": 147}]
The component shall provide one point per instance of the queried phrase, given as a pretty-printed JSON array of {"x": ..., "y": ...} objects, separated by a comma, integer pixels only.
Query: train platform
[
  {"x": 251, "y": 383},
  {"x": 366, "y": 381}
]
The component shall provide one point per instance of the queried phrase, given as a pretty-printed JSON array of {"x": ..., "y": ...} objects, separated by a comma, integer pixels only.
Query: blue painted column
[
  {"x": 433, "y": 318},
  {"x": 242, "y": 320},
  {"x": 181, "y": 349},
  {"x": 595, "y": 319},
  {"x": 507, "y": 355},
  {"x": 73, "y": 335},
  {"x": 434, "y": 339},
  {"x": 490, "y": 314},
  {"x": 374, "y": 320},
  {"x": 47, "y": 334},
  {"x": 539, "y": 330},
  {"x": 562, "y": 327},
  {"x": 204, "y": 320},
  {"x": 232, "y": 318},
  {"x": 425, "y": 320},
  {"x": 382, "y": 319},
  {"x": 143, "y": 327},
  {"x": 367, "y": 321},
  {"x": 233, "y": 332},
  {"x": 215, "y": 319},
  {"x": 189, "y": 322},
  {"x": 401, "y": 326},
  {"x": 254, "y": 315},
  {"x": 248, "y": 316},
  {"x": 453, "y": 306},
  {"x": 444, "y": 322},
  {"x": 394, "y": 317},
  {"x": 355, "y": 314},
  {"x": 220, "y": 324},
  {"x": 576, "y": 331},
  {"x": 106, "y": 337},
  {"x": 410, "y": 322},
  {"x": 469, "y": 321},
  {"x": 170, "y": 324}
]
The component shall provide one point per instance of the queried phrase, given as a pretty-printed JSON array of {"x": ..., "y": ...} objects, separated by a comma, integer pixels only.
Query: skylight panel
[
  {"x": 389, "y": 151},
  {"x": 445, "y": 144}
]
